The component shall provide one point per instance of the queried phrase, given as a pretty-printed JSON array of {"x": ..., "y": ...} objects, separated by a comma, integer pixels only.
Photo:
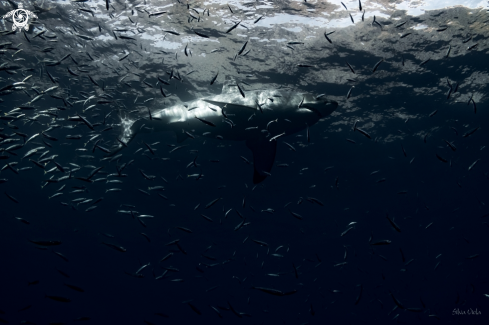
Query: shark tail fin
[{"x": 128, "y": 129}]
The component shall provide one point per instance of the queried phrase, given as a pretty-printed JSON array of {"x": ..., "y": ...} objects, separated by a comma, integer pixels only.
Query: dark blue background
[{"x": 456, "y": 212}]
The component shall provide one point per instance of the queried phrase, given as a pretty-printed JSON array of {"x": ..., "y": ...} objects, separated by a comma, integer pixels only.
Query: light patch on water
[
  {"x": 417, "y": 8},
  {"x": 159, "y": 42},
  {"x": 236, "y": 6},
  {"x": 280, "y": 19},
  {"x": 264, "y": 7},
  {"x": 166, "y": 44},
  {"x": 420, "y": 26},
  {"x": 164, "y": 7},
  {"x": 294, "y": 29},
  {"x": 279, "y": 40},
  {"x": 104, "y": 37}
]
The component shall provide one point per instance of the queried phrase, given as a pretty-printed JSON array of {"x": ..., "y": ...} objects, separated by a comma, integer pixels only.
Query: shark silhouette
[{"x": 259, "y": 117}]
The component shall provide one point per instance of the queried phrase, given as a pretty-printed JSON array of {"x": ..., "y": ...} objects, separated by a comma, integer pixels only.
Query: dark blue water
[{"x": 432, "y": 268}]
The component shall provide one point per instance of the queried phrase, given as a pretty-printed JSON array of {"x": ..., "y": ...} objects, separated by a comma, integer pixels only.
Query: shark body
[{"x": 259, "y": 118}]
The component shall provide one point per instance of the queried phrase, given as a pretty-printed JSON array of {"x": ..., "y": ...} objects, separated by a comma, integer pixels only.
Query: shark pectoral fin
[
  {"x": 181, "y": 136},
  {"x": 263, "y": 157}
]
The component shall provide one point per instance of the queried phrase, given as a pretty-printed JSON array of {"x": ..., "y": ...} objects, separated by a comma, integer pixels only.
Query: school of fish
[{"x": 122, "y": 131}]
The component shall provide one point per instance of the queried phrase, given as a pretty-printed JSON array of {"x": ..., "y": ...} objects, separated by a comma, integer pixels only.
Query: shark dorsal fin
[{"x": 229, "y": 86}]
